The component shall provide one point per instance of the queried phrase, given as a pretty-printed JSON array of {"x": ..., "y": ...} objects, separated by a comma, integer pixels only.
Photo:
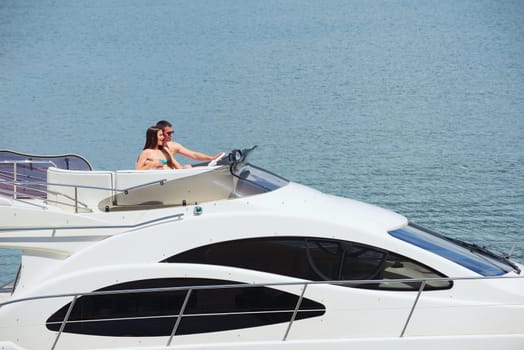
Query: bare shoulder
[{"x": 147, "y": 153}]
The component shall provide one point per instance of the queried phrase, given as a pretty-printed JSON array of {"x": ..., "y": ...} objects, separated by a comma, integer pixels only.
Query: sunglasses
[{"x": 170, "y": 133}]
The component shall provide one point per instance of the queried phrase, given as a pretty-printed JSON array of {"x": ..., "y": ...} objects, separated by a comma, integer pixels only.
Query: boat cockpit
[{"x": 70, "y": 183}]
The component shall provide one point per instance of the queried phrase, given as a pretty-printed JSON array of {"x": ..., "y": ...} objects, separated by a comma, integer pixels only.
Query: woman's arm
[
  {"x": 176, "y": 165},
  {"x": 146, "y": 161}
]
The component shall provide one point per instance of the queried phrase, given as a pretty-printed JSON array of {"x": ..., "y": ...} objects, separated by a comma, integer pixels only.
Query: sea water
[{"x": 416, "y": 106}]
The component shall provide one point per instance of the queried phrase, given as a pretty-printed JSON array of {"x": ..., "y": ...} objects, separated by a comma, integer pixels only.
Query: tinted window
[
  {"x": 470, "y": 256},
  {"x": 155, "y": 313},
  {"x": 280, "y": 256},
  {"x": 316, "y": 260},
  {"x": 326, "y": 257}
]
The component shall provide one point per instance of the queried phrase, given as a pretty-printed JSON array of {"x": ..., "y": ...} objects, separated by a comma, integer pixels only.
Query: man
[{"x": 175, "y": 147}]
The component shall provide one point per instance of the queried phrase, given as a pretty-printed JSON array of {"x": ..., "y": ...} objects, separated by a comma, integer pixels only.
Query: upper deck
[{"x": 69, "y": 183}]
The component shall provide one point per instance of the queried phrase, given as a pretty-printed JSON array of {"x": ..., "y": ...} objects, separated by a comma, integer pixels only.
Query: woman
[{"x": 154, "y": 156}]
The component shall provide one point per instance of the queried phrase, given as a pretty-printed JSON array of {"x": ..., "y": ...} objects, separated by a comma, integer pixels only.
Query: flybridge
[{"x": 69, "y": 183}]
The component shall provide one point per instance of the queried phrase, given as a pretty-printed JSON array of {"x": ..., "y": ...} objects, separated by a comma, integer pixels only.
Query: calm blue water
[{"x": 417, "y": 106}]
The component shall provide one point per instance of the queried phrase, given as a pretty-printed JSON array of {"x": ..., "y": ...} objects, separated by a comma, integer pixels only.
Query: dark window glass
[
  {"x": 280, "y": 256},
  {"x": 143, "y": 313},
  {"x": 468, "y": 255},
  {"x": 362, "y": 263},
  {"x": 316, "y": 259},
  {"x": 325, "y": 256}
]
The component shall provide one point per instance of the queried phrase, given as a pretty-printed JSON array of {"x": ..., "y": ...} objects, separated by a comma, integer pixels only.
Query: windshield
[
  {"x": 470, "y": 256},
  {"x": 258, "y": 178},
  {"x": 250, "y": 176}
]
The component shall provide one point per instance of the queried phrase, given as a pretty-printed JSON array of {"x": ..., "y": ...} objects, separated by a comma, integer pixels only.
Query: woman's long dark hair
[
  {"x": 151, "y": 137},
  {"x": 152, "y": 142}
]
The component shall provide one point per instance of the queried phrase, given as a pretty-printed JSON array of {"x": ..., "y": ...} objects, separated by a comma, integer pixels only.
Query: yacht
[{"x": 228, "y": 255}]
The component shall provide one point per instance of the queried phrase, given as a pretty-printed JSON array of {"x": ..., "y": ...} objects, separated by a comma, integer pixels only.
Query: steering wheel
[{"x": 215, "y": 161}]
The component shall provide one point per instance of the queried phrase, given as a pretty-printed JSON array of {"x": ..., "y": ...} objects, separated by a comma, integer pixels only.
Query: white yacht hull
[
  {"x": 234, "y": 257},
  {"x": 485, "y": 342}
]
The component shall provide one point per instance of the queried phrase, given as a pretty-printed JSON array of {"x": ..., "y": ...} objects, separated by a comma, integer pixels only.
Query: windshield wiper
[{"x": 475, "y": 248}]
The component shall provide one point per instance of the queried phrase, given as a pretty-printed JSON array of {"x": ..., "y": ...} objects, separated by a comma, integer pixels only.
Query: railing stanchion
[
  {"x": 297, "y": 307},
  {"x": 66, "y": 318},
  {"x": 179, "y": 318},
  {"x": 14, "y": 180},
  {"x": 76, "y": 199},
  {"x": 422, "y": 285}
]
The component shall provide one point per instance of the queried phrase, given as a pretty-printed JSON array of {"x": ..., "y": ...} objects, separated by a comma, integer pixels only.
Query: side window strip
[{"x": 315, "y": 259}]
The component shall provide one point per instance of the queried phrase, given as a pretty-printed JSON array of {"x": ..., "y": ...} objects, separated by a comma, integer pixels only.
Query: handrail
[
  {"x": 254, "y": 285},
  {"x": 76, "y": 203},
  {"x": 190, "y": 289},
  {"x": 29, "y": 156},
  {"x": 127, "y": 189},
  {"x": 161, "y": 182},
  {"x": 10, "y": 175},
  {"x": 29, "y": 185},
  {"x": 86, "y": 227},
  {"x": 15, "y": 164},
  {"x": 27, "y": 161}
]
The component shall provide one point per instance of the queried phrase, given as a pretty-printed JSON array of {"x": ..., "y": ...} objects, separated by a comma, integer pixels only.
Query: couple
[{"x": 159, "y": 151}]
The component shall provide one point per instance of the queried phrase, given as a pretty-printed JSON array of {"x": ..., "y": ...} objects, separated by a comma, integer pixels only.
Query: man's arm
[{"x": 175, "y": 147}]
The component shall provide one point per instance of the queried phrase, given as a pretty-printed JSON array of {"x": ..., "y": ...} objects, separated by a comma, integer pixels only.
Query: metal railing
[
  {"x": 93, "y": 227},
  {"x": 39, "y": 190},
  {"x": 27, "y": 179},
  {"x": 293, "y": 311},
  {"x": 23, "y": 172}
]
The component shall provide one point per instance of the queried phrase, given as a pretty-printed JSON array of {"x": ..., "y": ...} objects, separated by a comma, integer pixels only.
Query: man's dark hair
[{"x": 162, "y": 124}]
